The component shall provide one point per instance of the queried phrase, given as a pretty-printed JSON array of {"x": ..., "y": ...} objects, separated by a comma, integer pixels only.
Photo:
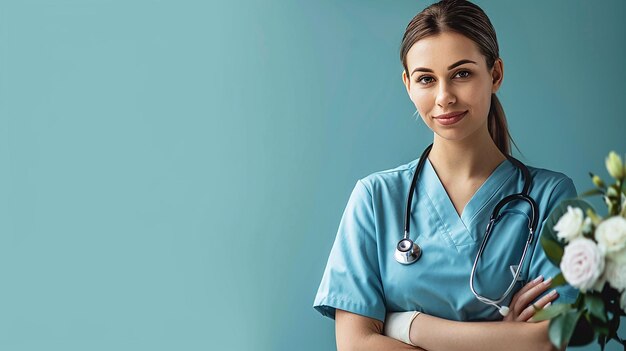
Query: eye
[
  {"x": 465, "y": 76},
  {"x": 421, "y": 78},
  {"x": 425, "y": 80}
]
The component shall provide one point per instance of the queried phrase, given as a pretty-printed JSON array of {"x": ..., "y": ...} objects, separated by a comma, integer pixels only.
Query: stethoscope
[{"x": 407, "y": 251}]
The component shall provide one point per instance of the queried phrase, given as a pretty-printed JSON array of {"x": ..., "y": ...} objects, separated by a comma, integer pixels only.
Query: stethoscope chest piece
[{"x": 407, "y": 251}]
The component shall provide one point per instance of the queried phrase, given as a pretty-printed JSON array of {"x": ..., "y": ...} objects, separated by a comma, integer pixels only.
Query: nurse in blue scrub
[{"x": 452, "y": 71}]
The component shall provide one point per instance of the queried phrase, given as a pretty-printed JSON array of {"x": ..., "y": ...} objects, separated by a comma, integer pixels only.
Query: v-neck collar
[{"x": 455, "y": 224}]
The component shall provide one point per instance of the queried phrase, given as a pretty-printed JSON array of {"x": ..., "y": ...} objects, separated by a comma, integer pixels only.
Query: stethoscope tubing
[{"x": 408, "y": 251}]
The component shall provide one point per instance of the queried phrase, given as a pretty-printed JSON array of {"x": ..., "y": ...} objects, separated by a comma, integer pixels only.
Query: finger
[
  {"x": 546, "y": 299},
  {"x": 526, "y": 314},
  {"x": 530, "y": 295},
  {"x": 525, "y": 299},
  {"x": 525, "y": 288},
  {"x": 529, "y": 311},
  {"x": 530, "y": 284},
  {"x": 544, "y": 307}
]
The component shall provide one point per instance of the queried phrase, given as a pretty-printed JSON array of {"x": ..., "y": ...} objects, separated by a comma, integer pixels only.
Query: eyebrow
[{"x": 458, "y": 63}]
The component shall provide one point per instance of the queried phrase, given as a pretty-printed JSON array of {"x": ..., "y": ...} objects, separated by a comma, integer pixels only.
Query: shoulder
[
  {"x": 548, "y": 177},
  {"x": 545, "y": 174},
  {"x": 389, "y": 178},
  {"x": 551, "y": 184}
]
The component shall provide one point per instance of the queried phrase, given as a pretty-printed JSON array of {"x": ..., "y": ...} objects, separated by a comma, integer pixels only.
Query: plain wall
[{"x": 172, "y": 173}]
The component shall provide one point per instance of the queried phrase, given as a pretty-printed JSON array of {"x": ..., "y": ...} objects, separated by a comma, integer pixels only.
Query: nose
[{"x": 445, "y": 96}]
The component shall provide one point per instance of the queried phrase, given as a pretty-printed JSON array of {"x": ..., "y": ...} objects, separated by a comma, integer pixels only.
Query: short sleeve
[
  {"x": 540, "y": 264},
  {"x": 351, "y": 279}
]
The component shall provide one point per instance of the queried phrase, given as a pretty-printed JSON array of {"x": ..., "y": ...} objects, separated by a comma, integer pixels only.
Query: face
[{"x": 448, "y": 74}]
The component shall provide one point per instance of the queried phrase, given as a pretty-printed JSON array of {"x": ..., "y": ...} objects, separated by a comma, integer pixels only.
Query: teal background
[{"x": 172, "y": 173}]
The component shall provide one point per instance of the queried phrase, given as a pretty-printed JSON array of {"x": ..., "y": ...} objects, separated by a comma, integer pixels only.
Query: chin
[{"x": 456, "y": 134}]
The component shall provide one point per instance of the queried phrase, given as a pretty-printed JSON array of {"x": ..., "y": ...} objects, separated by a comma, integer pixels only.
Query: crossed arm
[{"x": 356, "y": 332}]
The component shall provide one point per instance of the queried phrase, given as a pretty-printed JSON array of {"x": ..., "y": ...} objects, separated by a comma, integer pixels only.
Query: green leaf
[
  {"x": 551, "y": 312},
  {"x": 562, "y": 326},
  {"x": 602, "y": 341},
  {"x": 549, "y": 239},
  {"x": 553, "y": 250},
  {"x": 558, "y": 280},
  {"x": 595, "y": 306},
  {"x": 601, "y": 329},
  {"x": 614, "y": 325}
]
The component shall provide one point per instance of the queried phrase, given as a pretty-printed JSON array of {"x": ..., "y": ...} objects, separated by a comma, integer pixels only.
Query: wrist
[
  {"x": 414, "y": 331},
  {"x": 398, "y": 325}
]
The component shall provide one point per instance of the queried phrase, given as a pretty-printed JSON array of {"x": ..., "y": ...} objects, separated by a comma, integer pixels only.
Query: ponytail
[{"x": 498, "y": 128}]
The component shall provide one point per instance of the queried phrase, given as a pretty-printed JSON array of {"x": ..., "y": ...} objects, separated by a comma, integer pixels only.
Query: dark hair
[{"x": 467, "y": 19}]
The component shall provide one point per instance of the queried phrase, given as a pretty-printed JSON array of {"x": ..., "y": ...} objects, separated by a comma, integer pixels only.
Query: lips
[
  {"x": 450, "y": 118},
  {"x": 449, "y": 115}
]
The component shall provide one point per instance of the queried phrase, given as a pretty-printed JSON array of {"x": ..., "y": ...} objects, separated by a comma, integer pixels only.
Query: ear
[
  {"x": 406, "y": 81},
  {"x": 497, "y": 74}
]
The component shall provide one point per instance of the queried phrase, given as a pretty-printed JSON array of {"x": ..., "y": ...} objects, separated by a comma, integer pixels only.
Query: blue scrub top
[{"x": 362, "y": 276}]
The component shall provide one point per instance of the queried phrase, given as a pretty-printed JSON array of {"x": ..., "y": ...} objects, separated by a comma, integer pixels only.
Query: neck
[{"x": 470, "y": 158}]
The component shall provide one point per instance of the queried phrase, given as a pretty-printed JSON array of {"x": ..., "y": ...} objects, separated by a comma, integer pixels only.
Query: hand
[{"x": 521, "y": 309}]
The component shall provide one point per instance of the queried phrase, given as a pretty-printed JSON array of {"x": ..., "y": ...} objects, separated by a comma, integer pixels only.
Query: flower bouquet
[{"x": 591, "y": 252}]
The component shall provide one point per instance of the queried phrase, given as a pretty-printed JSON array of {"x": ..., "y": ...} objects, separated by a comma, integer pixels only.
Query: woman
[{"x": 452, "y": 71}]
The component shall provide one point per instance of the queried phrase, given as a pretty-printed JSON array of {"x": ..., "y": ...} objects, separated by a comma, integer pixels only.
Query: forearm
[
  {"x": 435, "y": 334},
  {"x": 359, "y": 333},
  {"x": 375, "y": 342}
]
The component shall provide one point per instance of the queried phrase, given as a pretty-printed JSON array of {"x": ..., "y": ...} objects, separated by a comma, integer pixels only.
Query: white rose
[
  {"x": 617, "y": 256},
  {"x": 570, "y": 225},
  {"x": 582, "y": 263},
  {"x": 599, "y": 285},
  {"x": 616, "y": 274},
  {"x": 611, "y": 234}
]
